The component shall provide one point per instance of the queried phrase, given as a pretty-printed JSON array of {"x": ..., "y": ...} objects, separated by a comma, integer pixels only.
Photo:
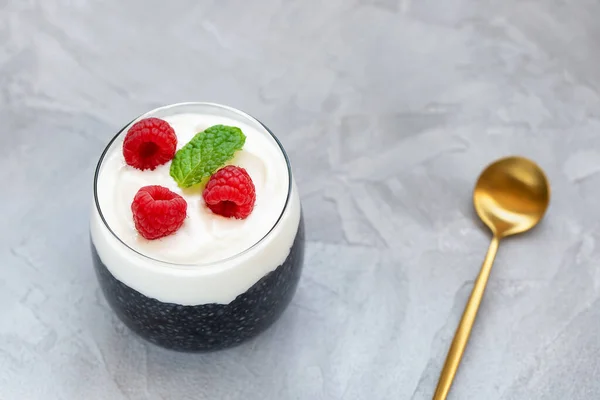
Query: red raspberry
[
  {"x": 230, "y": 192},
  {"x": 149, "y": 143},
  {"x": 158, "y": 212}
]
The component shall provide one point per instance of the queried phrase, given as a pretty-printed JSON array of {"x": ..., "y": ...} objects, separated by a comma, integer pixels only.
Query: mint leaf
[{"x": 205, "y": 153}]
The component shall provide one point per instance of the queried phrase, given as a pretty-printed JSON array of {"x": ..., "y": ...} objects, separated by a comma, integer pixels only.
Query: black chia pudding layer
[{"x": 206, "y": 327}]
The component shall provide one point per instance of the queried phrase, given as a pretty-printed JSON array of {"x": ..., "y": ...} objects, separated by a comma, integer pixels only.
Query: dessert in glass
[{"x": 196, "y": 227}]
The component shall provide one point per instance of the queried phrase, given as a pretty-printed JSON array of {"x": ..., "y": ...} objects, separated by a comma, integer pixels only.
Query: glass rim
[{"x": 193, "y": 103}]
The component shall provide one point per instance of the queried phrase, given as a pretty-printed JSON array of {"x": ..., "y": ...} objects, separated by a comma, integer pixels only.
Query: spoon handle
[{"x": 461, "y": 337}]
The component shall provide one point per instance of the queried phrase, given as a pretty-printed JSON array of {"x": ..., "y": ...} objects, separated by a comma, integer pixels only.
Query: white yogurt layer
[{"x": 198, "y": 264}]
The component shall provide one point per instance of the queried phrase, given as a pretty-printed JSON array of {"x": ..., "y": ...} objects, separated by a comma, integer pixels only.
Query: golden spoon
[{"x": 510, "y": 197}]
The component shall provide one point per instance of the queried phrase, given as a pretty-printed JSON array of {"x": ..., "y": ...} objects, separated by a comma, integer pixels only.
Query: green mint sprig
[{"x": 205, "y": 153}]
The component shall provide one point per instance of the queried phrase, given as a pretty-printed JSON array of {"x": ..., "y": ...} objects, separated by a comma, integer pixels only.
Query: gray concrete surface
[{"x": 389, "y": 110}]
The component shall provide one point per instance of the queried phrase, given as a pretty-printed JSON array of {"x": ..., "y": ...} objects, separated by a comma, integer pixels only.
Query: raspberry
[
  {"x": 158, "y": 212},
  {"x": 230, "y": 192},
  {"x": 149, "y": 143}
]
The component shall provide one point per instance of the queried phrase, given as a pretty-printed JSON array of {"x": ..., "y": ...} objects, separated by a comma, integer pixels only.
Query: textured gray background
[{"x": 389, "y": 110}]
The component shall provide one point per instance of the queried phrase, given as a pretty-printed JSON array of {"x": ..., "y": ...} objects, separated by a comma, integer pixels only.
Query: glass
[{"x": 201, "y": 306}]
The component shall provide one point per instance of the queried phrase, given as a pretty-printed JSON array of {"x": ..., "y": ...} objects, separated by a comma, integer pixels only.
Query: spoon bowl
[{"x": 511, "y": 196}]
